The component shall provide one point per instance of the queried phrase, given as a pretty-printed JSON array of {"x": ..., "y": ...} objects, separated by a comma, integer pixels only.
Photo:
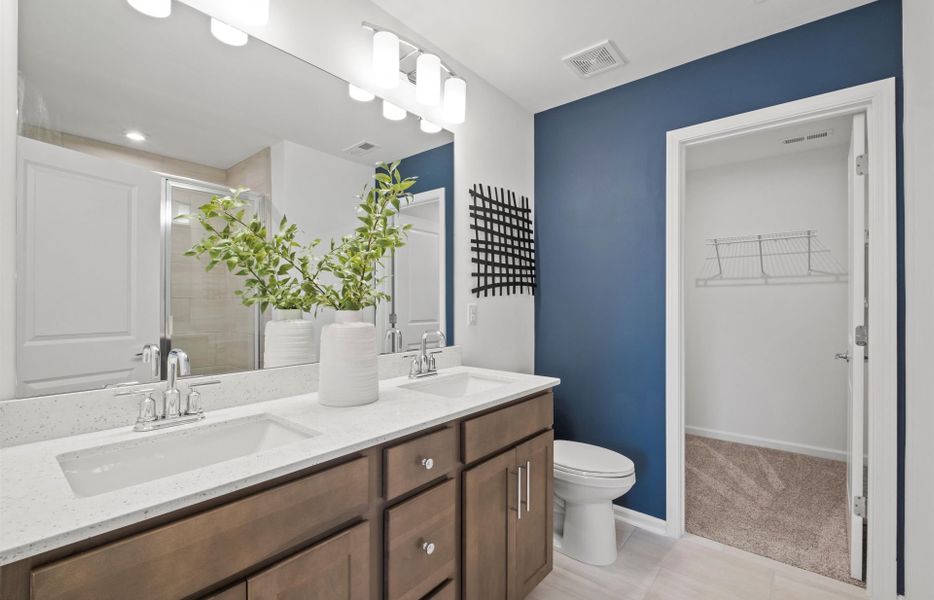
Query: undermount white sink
[
  {"x": 457, "y": 386},
  {"x": 116, "y": 466}
]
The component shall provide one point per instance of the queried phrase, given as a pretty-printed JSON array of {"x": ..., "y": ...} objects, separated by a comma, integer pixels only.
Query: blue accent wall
[
  {"x": 600, "y": 221},
  {"x": 434, "y": 169}
]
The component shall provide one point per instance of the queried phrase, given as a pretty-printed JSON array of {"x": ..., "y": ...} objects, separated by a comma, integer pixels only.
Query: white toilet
[{"x": 587, "y": 480}]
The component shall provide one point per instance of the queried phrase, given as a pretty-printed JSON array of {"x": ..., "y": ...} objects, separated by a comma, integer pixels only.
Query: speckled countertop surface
[{"x": 39, "y": 511}]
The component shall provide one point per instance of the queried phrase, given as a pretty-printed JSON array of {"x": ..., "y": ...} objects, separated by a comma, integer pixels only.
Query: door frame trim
[{"x": 878, "y": 101}]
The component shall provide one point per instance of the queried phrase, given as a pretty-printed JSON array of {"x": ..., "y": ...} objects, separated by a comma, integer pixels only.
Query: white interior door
[
  {"x": 419, "y": 269},
  {"x": 856, "y": 351},
  {"x": 88, "y": 269}
]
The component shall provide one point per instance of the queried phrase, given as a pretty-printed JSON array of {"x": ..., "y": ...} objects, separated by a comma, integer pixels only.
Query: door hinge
[
  {"x": 862, "y": 336},
  {"x": 862, "y": 164},
  {"x": 859, "y": 506}
]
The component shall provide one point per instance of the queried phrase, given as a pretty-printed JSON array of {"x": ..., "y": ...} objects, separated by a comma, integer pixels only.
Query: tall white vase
[
  {"x": 289, "y": 340},
  {"x": 348, "y": 370}
]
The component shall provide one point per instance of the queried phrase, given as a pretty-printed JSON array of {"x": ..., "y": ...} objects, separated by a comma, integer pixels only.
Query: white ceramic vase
[
  {"x": 347, "y": 374},
  {"x": 289, "y": 339}
]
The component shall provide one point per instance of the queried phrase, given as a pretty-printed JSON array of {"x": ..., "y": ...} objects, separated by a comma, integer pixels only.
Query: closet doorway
[{"x": 781, "y": 261}]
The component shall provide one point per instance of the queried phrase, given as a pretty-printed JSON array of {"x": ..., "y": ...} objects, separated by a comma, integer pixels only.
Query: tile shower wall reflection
[{"x": 207, "y": 319}]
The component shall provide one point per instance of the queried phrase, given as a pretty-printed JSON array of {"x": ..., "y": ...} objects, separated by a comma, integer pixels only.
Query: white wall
[
  {"x": 918, "y": 47},
  {"x": 760, "y": 358},
  {"x": 315, "y": 190},
  {"x": 494, "y": 146}
]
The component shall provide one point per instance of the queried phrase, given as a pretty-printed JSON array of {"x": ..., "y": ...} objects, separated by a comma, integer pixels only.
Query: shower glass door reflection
[{"x": 203, "y": 316}]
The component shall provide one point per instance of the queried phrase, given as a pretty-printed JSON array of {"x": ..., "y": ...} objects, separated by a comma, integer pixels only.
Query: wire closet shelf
[{"x": 766, "y": 256}]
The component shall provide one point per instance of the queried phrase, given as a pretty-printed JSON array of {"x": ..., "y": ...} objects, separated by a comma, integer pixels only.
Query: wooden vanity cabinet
[{"x": 358, "y": 528}]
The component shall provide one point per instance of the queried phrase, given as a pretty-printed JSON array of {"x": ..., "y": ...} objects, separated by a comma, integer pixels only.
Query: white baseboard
[
  {"x": 640, "y": 520},
  {"x": 752, "y": 440}
]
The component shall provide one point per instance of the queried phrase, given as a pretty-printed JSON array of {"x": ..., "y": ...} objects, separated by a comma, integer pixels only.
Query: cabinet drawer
[
  {"x": 335, "y": 569},
  {"x": 181, "y": 558},
  {"x": 429, "y": 518},
  {"x": 497, "y": 430},
  {"x": 407, "y": 465}
]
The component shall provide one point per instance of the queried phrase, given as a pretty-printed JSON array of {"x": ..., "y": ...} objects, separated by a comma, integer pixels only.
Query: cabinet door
[
  {"x": 534, "y": 530},
  {"x": 489, "y": 523},
  {"x": 237, "y": 592},
  {"x": 335, "y": 569}
]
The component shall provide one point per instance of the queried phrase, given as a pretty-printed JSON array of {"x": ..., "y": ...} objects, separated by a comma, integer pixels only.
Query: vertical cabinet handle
[
  {"x": 519, "y": 491},
  {"x": 528, "y": 486}
]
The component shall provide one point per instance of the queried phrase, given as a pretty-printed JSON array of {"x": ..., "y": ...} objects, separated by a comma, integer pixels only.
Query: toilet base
[{"x": 588, "y": 533}]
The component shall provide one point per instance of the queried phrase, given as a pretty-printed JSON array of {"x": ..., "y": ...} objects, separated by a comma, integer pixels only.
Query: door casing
[{"x": 877, "y": 100}]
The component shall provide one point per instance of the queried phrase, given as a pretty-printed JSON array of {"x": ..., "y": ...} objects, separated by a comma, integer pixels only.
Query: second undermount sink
[
  {"x": 116, "y": 466},
  {"x": 457, "y": 385}
]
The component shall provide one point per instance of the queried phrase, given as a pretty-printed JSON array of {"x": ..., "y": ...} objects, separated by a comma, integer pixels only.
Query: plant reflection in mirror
[{"x": 279, "y": 271}]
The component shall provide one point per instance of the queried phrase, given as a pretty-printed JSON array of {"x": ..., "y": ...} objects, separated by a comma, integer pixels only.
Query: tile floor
[{"x": 655, "y": 567}]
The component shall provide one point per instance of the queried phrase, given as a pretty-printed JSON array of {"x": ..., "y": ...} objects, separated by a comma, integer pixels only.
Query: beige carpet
[{"x": 788, "y": 507}]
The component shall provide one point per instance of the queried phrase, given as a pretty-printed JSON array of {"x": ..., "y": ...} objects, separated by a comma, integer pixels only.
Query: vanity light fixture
[
  {"x": 455, "y": 100},
  {"x": 136, "y": 136},
  {"x": 425, "y": 70},
  {"x": 393, "y": 112},
  {"x": 359, "y": 94},
  {"x": 153, "y": 8},
  {"x": 428, "y": 79},
  {"x": 428, "y": 126},
  {"x": 227, "y": 34},
  {"x": 386, "y": 59}
]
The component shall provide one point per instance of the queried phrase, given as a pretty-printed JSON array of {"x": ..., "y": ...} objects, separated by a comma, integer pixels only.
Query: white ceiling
[
  {"x": 517, "y": 45},
  {"x": 769, "y": 143},
  {"x": 97, "y": 69}
]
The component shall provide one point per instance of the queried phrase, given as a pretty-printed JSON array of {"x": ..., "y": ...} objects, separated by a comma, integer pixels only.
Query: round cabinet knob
[
  {"x": 429, "y": 464},
  {"x": 428, "y": 547}
]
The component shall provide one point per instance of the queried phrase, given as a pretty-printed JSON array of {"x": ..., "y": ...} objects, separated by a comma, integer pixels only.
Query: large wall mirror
[{"x": 127, "y": 122}]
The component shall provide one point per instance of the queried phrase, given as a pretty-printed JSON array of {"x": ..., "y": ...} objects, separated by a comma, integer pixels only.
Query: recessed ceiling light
[
  {"x": 428, "y": 126},
  {"x": 136, "y": 136},
  {"x": 227, "y": 34}
]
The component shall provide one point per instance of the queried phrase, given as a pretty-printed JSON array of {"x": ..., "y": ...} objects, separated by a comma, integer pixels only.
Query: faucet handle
[
  {"x": 194, "y": 397},
  {"x": 147, "y": 411},
  {"x": 147, "y": 407}
]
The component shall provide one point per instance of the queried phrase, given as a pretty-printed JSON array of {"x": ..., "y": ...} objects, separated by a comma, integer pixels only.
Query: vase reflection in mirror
[
  {"x": 289, "y": 339},
  {"x": 347, "y": 374}
]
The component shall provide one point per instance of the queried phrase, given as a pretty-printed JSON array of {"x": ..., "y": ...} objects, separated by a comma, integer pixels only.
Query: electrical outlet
[{"x": 472, "y": 314}]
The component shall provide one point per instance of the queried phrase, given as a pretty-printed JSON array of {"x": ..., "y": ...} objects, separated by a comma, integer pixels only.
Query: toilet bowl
[{"x": 587, "y": 480}]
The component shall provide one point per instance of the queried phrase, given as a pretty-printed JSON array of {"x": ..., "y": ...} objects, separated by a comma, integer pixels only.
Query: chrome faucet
[
  {"x": 423, "y": 365},
  {"x": 150, "y": 355},
  {"x": 172, "y": 412},
  {"x": 177, "y": 364}
]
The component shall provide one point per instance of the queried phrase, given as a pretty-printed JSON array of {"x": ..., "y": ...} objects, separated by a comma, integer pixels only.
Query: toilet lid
[{"x": 591, "y": 460}]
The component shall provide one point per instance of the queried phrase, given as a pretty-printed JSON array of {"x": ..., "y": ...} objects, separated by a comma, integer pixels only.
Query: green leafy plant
[
  {"x": 278, "y": 270},
  {"x": 355, "y": 261},
  {"x": 281, "y": 272}
]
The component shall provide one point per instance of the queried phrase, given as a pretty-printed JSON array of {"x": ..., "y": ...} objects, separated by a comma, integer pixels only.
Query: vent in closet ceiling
[
  {"x": 595, "y": 59},
  {"x": 809, "y": 137}
]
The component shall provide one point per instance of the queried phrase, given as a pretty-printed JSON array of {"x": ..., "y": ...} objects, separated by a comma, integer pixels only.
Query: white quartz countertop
[{"x": 39, "y": 511}]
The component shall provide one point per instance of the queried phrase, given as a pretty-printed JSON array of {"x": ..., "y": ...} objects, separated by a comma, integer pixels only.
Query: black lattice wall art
[{"x": 503, "y": 242}]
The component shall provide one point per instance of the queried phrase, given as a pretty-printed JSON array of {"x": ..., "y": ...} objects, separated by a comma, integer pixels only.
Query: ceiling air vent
[
  {"x": 596, "y": 59},
  {"x": 809, "y": 137},
  {"x": 361, "y": 148}
]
